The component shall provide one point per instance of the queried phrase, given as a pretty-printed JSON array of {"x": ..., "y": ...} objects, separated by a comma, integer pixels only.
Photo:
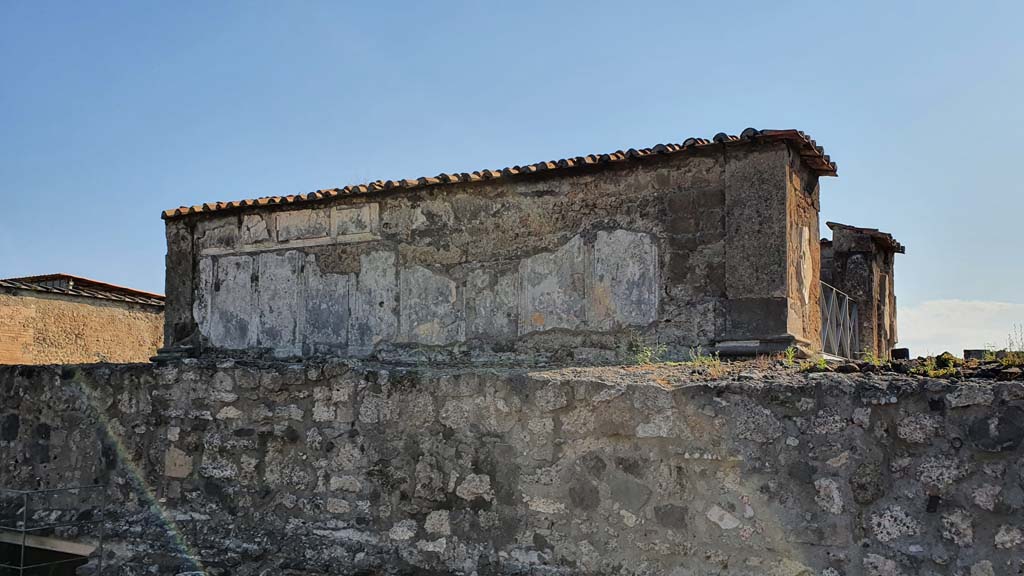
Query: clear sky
[{"x": 112, "y": 112}]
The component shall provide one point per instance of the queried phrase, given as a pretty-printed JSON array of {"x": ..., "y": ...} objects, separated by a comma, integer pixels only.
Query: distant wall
[
  {"x": 686, "y": 250},
  {"x": 364, "y": 469},
  {"x": 38, "y": 328}
]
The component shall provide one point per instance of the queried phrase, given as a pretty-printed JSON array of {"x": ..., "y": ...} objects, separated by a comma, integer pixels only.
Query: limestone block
[
  {"x": 553, "y": 289},
  {"x": 201, "y": 303},
  {"x": 492, "y": 305},
  {"x": 217, "y": 235},
  {"x": 279, "y": 300},
  {"x": 231, "y": 321},
  {"x": 177, "y": 463},
  {"x": 356, "y": 224},
  {"x": 327, "y": 299},
  {"x": 254, "y": 229},
  {"x": 624, "y": 289},
  {"x": 302, "y": 224},
  {"x": 373, "y": 303}
]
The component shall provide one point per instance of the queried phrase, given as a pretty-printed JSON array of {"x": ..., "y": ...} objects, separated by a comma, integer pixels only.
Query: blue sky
[{"x": 112, "y": 112}]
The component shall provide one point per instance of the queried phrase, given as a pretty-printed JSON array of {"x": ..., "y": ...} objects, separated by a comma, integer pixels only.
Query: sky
[{"x": 112, "y": 112}]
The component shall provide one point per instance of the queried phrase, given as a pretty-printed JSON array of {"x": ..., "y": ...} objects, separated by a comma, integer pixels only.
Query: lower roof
[{"x": 69, "y": 285}]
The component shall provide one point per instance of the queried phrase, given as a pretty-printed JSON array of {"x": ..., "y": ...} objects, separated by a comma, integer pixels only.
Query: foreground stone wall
[
  {"x": 368, "y": 469},
  {"x": 36, "y": 328},
  {"x": 687, "y": 250}
]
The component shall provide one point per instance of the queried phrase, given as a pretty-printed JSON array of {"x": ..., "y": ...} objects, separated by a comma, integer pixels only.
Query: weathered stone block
[
  {"x": 280, "y": 301},
  {"x": 356, "y": 224},
  {"x": 624, "y": 289},
  {"x": 302, "y": 224},
  {"x": 232, "y": 318},
  {"x": 374, "y": 303},
  {"x": 431, "y": 310},
  {"x": 553, "y": 289},
  {"x": 492, "y": 305},
  {"x": 327, "y": 298}
]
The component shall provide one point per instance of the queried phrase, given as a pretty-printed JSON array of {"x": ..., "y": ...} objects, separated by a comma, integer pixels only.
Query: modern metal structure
[
  {"x": 30, "y": 549},
  {"x": 838, "y": 323}
]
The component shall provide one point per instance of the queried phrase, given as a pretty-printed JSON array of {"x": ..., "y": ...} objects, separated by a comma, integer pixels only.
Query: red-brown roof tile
[
  {"x": 70, "y": 285},
  {"x": 812, "y": 154}
]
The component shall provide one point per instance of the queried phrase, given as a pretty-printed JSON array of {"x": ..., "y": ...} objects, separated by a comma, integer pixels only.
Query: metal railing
[
  {"x": 838, "y": 323},
  {"x": 21, "y": 535}
]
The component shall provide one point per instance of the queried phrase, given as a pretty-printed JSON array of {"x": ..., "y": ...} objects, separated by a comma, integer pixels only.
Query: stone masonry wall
[
  {"x": 804, "y": 251},
  {"x": 686, "y": 250},
  {"x": 344, "y": 468},
  {"x": 36, "y": 328}
]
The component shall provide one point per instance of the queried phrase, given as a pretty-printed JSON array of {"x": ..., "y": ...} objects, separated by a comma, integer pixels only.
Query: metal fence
[
  {"x": 838, "y": 323},
  {"x": 20, "y": 536}
]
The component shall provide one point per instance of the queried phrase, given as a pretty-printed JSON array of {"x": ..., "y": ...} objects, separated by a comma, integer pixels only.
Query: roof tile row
[
  {"x": 69, "y": 285},
  {"x": 809, "y": 150}
]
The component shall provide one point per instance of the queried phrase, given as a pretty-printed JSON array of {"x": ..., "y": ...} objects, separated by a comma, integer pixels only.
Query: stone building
[
  {"x": 860, "y": 263},
  {"x": 709, "y": 243},
  {"x": 64, "y": 319}
]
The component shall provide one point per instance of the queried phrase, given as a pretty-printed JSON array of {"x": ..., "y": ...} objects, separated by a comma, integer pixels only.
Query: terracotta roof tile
[
  {"x": 809, "y": 150},
  {"x": 85, "y": 287}
]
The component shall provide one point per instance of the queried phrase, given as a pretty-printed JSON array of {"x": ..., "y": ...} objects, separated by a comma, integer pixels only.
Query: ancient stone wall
[
  {"x": 37, "y": 328},
  {"x": 862, "y": 263},
  {"x": 367, "y": 469},
  {"x": 804, "y": 257},
  {"x": 687, "y": 250}
]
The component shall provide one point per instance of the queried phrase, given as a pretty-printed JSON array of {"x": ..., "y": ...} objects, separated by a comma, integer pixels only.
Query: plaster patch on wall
[
  {"x": 232, "y": 302},
  {"x": 279, "y": 301},
  {"x": 805, "y": 267},
  {"x": 201, "y": 304},
  {"x": 373, "y": 303},
  {"x": 282, "y": 301},
  {"x": 327, "y": 315}
]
